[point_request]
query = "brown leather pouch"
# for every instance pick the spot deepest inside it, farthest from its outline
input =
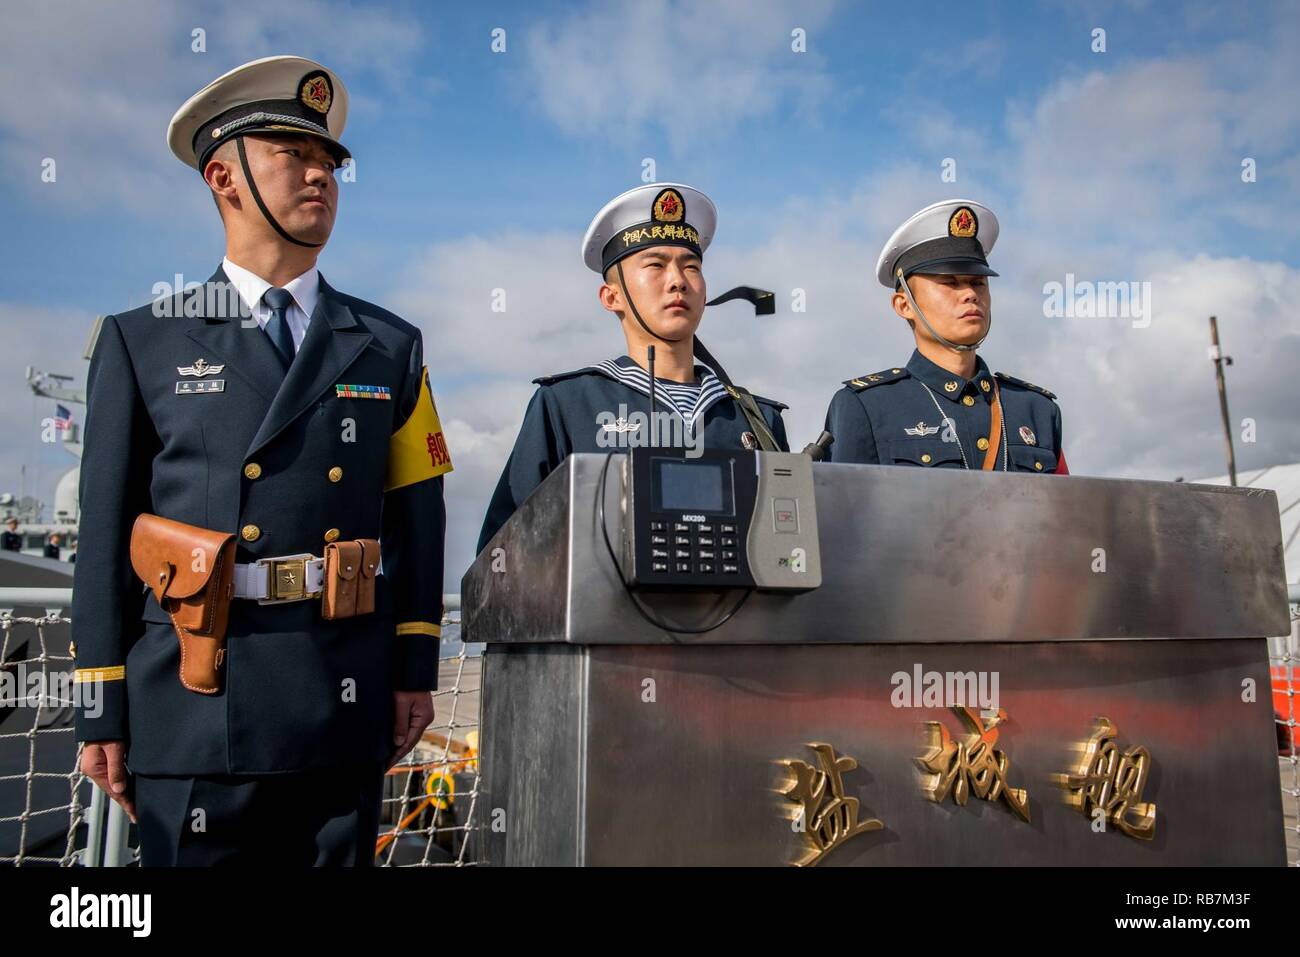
(350, 569)
(369, 568)
(191, 573)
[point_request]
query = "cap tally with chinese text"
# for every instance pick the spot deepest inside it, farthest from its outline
(658, 214)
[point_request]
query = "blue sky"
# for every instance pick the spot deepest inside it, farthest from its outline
(479, 170)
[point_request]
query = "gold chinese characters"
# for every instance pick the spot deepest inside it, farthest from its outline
(827, 821)
(971, 764)
(1112, 781)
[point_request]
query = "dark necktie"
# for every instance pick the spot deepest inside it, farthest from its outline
(277, 328)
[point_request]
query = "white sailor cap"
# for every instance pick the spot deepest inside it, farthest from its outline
(274, 94)
(952, 238)
(659, 214)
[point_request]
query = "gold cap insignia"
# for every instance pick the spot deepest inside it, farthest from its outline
(668, 207)
(315, 92)
(963, 223)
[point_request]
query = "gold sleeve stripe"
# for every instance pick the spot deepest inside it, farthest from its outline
(419, 628)
(115, 673)
(418, 450)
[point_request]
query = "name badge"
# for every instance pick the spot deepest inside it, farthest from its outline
(362, 391)
(201, 386)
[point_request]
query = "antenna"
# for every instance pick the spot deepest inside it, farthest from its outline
(650, 360)
(1220, 360)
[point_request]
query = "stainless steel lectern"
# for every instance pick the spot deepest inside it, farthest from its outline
(1124, 623)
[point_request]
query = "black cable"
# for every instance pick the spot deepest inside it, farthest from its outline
(636, 602)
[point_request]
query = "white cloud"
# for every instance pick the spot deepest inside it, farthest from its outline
(680, 68)
(1152, 152)
(93, 85)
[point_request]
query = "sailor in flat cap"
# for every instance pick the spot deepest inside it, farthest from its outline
(264, 455)
(647, 245)
(944, 408)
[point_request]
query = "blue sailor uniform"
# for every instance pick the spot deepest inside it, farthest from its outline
(923, 415)
(570, 413)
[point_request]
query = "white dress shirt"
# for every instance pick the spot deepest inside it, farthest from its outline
(305, 290)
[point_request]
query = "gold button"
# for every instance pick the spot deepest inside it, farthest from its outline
(250, 533)
(896, 371)
(336, 473)
(331, 535)
(925, 457)
(1039, 466)
(982, 444)
(968, 400)
(252, 470)
(984, 384)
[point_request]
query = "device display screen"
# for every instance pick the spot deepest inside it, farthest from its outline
(704, 487)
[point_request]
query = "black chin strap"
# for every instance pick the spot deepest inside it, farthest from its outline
(628, 296)
(766, 440)
(954, 346)
(257, 198)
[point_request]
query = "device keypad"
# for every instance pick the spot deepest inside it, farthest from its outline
(695, 548)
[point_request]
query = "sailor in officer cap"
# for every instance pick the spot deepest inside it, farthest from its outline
(648, 246)
(944, 409)
(272, 413)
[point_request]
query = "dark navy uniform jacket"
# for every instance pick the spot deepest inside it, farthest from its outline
(260, 459)
(911, 416)
(568, 413)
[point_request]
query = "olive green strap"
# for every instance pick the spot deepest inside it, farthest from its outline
(766, 441)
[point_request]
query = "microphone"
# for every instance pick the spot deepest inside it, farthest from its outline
(817, 450)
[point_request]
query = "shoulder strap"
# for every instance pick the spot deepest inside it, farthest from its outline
(560, 376)
(757, 424)
(876, 378)
(1022, 383)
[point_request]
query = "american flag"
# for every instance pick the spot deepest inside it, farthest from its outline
(62, 417)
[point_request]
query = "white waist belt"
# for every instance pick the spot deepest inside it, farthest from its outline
(280, 579)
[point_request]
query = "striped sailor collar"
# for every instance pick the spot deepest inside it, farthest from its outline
(625, 369)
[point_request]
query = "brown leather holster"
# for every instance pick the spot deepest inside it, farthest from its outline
(350, 569)
(191, 573)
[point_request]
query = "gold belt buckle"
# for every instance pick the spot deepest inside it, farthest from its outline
(286, 579)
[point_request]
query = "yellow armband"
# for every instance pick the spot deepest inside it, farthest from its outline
(418, 451)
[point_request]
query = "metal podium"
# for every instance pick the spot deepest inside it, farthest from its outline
(1111, 701)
